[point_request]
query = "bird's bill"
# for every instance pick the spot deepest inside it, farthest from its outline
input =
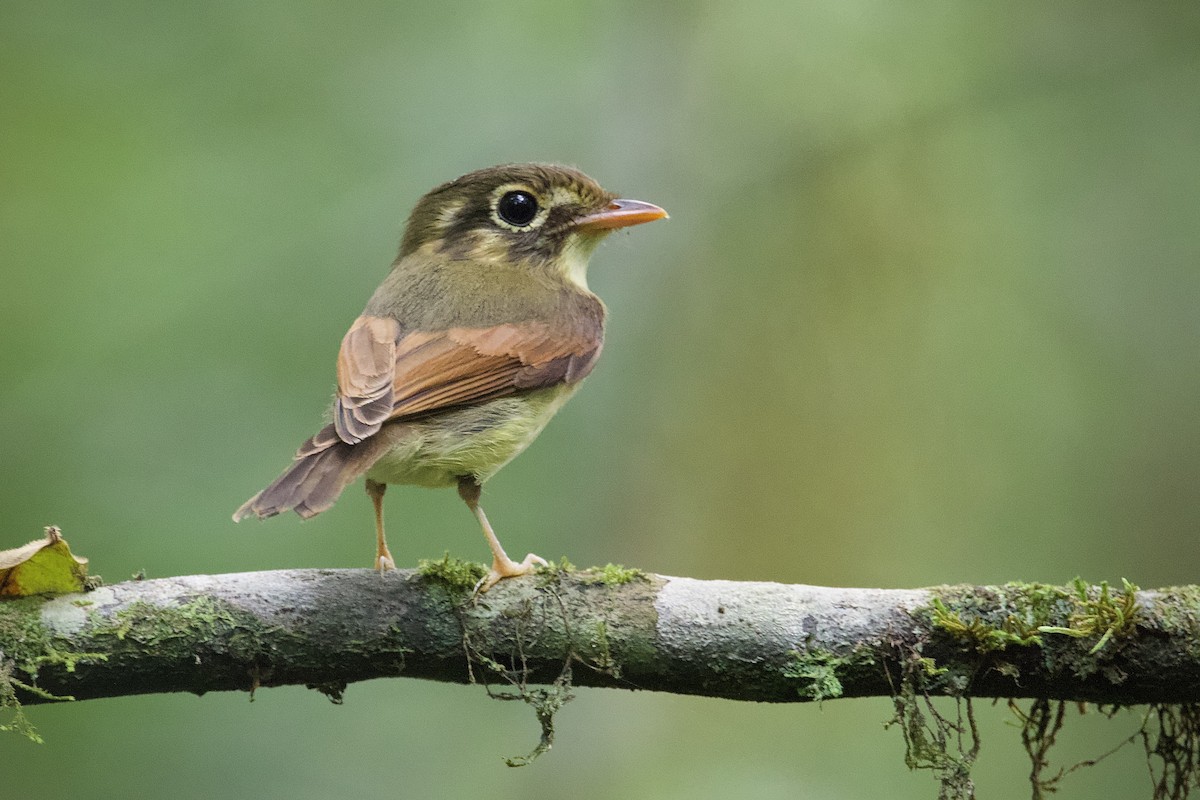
(620, 214)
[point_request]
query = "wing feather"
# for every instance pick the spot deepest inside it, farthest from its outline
(383, 375)
(365, 369)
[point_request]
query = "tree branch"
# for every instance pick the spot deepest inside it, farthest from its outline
(745, 641)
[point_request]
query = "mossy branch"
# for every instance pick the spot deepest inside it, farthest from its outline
(611, 627)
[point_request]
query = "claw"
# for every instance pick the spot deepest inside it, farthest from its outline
(507, 568)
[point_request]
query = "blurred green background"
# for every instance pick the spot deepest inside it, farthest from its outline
(925, 312)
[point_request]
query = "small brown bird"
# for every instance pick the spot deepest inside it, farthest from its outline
(479, 334)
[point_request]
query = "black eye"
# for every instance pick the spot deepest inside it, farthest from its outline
(517, 208)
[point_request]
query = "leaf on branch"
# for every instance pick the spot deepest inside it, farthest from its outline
(44, 566)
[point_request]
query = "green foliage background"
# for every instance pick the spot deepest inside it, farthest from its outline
(925, 312)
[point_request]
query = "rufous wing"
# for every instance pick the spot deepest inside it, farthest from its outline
(366, 368)
(384, 376)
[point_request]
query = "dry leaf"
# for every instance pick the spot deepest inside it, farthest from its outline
(45, 566)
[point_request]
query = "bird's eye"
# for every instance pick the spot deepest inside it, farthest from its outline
(517, 208)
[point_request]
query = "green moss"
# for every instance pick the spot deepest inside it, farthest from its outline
(990, 620)
(819, 671)
(552, 574)
(1018, 614)
(12, 715)
(26, 645)
(24, 640)
(613, 575)
(930, 669)
(455, 573)
(174, 631)
(980, 635)
(147, 623)
(29, 645)
(1109, 615)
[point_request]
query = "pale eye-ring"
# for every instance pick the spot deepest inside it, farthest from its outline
(518, 208)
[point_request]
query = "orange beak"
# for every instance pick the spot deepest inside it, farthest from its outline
(620, 214)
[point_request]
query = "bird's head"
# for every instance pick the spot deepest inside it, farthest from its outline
(536, 216)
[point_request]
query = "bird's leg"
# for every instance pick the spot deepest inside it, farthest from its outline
(469, 490)
(383, 558)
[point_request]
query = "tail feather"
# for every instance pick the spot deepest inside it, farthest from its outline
(322, 469)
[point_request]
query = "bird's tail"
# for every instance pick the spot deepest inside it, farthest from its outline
(323, 467)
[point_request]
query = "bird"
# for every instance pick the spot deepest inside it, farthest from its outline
(481, 331)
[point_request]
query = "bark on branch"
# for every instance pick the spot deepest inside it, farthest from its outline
(739, 640)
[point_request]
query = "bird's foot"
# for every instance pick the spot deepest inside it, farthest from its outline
(507, 568)
(384, 561)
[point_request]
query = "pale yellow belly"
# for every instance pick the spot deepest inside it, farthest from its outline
(478, 440)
